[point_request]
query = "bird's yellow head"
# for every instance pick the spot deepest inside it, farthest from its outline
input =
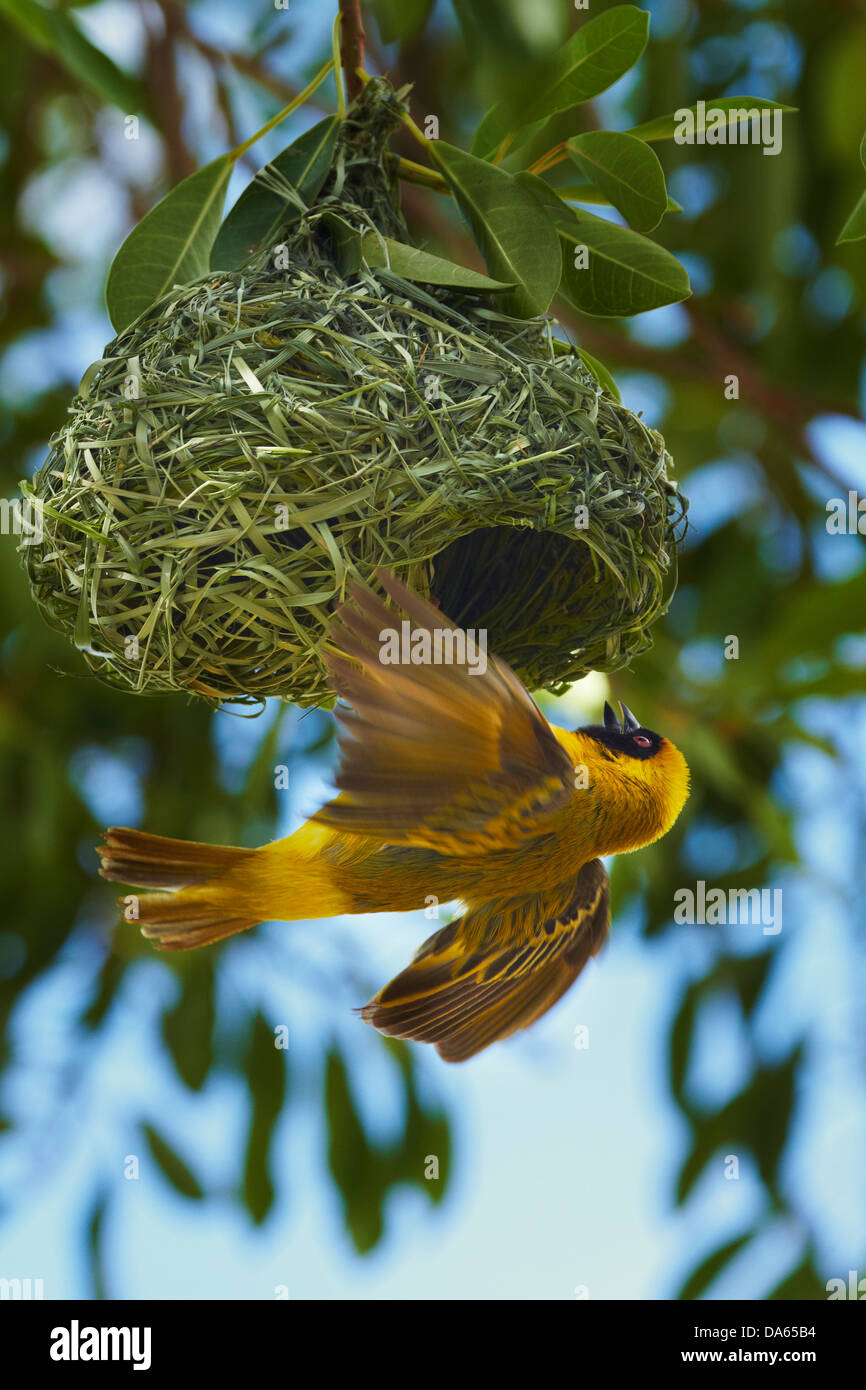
(641, 778)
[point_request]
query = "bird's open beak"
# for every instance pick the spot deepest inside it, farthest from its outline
(629, 722)
(610, 719)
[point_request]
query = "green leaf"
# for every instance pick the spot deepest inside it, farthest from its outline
(54, 31)
(401, 19)
(680, 1042)
(347, 242)
(187, 1028)
(110, 976)
(414, 264)
(266, 1079)
(804, 1284)
(750, 975)
(600, 372)
(758, 1119)
(531, 142)
(277, 195)
(170, 246)
(359, 1176)
(426, 1135)
(626, 171)
(625, 274)
(95, 1224)
(665, 127)
(491, 131)
(588, 193)
(590, 62)
(855, 226)
(516, 236)
(171, 1165)
(701, 1278)
(593, 59)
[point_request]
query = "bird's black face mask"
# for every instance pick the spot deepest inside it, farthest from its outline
(628, 736)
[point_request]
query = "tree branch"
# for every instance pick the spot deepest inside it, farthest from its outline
(352, 41)
(160, 70)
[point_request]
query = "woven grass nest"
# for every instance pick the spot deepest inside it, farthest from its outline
(258, 436)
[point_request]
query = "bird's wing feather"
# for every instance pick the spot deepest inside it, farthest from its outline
(431, 755)
(462, 998)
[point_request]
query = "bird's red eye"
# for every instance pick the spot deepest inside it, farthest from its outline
(642, 740)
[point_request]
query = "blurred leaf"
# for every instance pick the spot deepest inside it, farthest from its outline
(680, 1042)
(277, 195)
(171, 1165)
(588, 63)
(626, 171)
(399, 20)
(422, 1157)
(364, 1173)
(758, 1119)
(517, 239)
(665, 127)
(108, 983)
(56, 32)
(170, 246)
(351, 1159)
(855, 225)
(803, 1283)
(95, 1224)
(187, 1027)
(266, 1079)
(259, 798)
(716, 760)
(700, 1279)
(509, 59)
(750, 975)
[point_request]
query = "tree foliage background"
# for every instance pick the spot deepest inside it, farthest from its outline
(774, 738)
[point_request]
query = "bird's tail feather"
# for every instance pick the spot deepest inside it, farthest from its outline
(198, 909)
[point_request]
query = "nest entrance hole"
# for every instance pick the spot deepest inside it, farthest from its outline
(517, 584)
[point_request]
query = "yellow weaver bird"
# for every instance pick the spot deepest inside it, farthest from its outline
(452, 786)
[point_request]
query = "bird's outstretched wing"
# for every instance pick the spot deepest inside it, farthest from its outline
(435, 756)
(462, 997)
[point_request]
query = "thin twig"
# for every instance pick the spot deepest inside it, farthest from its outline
(421, 174)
